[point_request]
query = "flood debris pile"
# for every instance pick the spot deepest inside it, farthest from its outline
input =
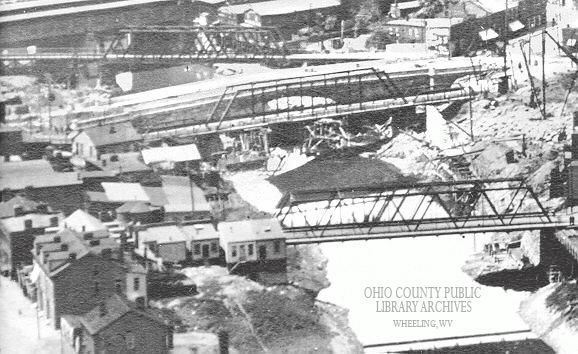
(552, 313)
(261, 318)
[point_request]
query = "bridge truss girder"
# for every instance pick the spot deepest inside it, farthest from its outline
(197, 42)
(408, 210)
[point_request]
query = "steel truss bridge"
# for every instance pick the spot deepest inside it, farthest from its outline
(413, 210)
(297, 99)
(162, 44)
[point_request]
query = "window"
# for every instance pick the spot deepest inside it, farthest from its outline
(250, 250)
(28, 223)
(214, 247)
(197, 248)
(130, 340)
(96, 289)
(136, 284)
(54, 221)
(277, 246)
(118, 286)
(95, 270)
(234, 251)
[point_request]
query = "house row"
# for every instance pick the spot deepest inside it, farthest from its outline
(21, 220)
(120, 147)
(256, 243)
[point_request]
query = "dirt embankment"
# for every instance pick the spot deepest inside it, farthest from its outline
(552, 313)
(284, 318)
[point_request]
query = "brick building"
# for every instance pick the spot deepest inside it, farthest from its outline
(39, 182)
(21, 220)
(76, 271)
(116, 325)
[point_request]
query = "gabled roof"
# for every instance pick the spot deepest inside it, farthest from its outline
(80, 221)
(112, 134)
(110, 311)
(7, 208)
(183, 195)
(123, 192)
(162, 234)
(250, 230)
(136, 208)
(34, 173)
(171, 154)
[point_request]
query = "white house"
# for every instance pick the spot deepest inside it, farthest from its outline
(259, 241)
(203, 242)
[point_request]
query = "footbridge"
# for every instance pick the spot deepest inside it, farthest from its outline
(166, 45)
(413, 210)
(293, 95)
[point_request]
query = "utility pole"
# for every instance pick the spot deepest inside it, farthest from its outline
(504, 86)
(544, 74)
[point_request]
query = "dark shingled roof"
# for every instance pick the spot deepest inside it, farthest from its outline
(112, 134)
(341, 173)
(114, 308)
(7, 208)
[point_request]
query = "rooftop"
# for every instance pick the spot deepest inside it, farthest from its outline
(136, 208)
(179, 153)
(34, 173)
(121, 163)
(81, 221)
(339, 173)
(17, 223)
(162, 234)
(112, 134)
(110, 311)
(280, 7)
(183, 195)
(199, 232)
(250, 230)
(27, 206)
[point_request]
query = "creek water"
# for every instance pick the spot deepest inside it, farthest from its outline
(415, 263)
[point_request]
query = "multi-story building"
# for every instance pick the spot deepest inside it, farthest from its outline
(75, 271)
(21, 220)
(116, 325)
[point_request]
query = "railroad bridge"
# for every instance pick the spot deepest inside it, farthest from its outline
(426, 209)
(294, 95)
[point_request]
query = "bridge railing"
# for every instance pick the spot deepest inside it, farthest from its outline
(417, 207)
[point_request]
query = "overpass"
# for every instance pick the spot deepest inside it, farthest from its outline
(41, 21)
(164, 44)
(291, 95)
(413, 210)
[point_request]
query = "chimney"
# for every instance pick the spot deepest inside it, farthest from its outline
(122, 243)
(42, 208)
(140, 303)
(18, 210)
(64, 247)
(102, 309)
(72, 256)
(106, 253)
(223, 342)
(83, 228)
(38, 247)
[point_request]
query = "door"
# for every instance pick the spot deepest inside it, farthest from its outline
(242, 253)
(262, 252)
(205, 251)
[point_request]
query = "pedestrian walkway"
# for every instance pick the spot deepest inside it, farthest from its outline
(19, 327)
